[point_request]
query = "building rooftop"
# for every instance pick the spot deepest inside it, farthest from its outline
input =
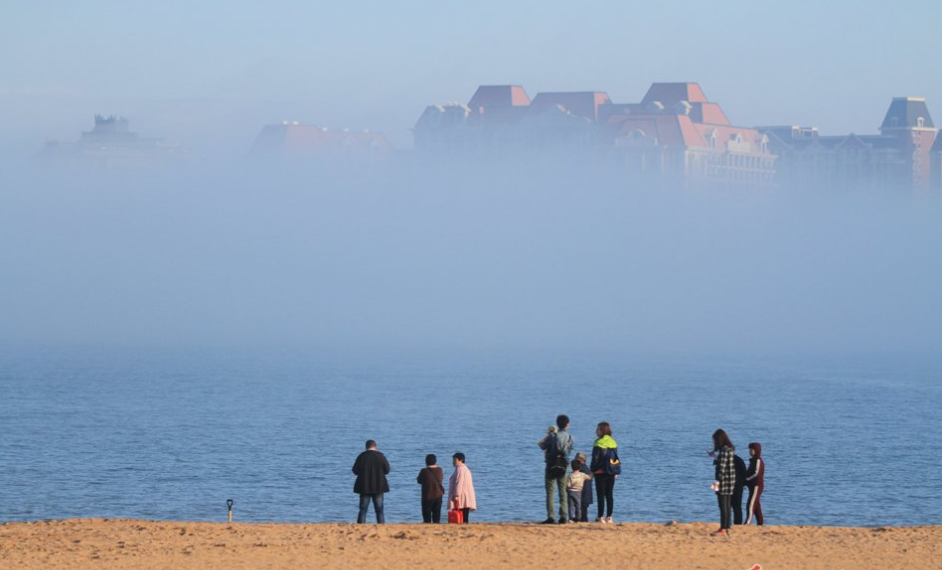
(907, 113)
(579, 103)
(499, 96)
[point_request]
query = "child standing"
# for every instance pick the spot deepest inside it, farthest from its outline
(587, 492)
(574, 486)
(755, 479)
(431, 478)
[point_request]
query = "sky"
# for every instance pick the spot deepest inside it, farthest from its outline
(210, 73)
(540, 257)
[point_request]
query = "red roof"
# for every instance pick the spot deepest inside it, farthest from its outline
(710, 113)
(669, 130)
(499, 96)
(671, 93)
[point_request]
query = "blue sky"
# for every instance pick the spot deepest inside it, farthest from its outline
(212, 72)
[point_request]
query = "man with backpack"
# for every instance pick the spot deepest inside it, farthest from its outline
(557, 445)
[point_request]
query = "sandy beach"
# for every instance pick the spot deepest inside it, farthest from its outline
(134, 544)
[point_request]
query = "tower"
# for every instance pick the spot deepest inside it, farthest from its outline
(908, 121)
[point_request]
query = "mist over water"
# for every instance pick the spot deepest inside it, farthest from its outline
(463, 256)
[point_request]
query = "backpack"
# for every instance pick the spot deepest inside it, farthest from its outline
(612, 463)
(558, 467)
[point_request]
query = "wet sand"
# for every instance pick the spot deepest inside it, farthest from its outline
(132, 544)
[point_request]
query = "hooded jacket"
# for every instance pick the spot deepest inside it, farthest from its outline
(755, 475)
(601, 452)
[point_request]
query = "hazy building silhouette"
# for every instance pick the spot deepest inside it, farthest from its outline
(897, 157)
(292, 140)
(110, 144)
(674, 133)
(935, 162)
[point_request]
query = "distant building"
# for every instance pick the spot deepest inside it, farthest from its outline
(110, 144)
(900, 156)
(502, 118)
(935, 162)
(674, 133)
(293, 140)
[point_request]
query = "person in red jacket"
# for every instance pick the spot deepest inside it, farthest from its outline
(755, 479)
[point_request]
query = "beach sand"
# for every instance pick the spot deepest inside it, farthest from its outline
(133, 544)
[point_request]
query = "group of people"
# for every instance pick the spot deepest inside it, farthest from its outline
(371, 468)
(571, 482)
(731, 477)
(574, 487)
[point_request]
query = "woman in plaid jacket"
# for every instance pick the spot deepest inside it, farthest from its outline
(725, 475)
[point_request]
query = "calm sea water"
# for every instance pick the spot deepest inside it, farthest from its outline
(172, 435)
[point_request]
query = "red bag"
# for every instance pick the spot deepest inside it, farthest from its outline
(455, 515)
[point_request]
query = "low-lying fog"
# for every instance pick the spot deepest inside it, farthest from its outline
(462, 257)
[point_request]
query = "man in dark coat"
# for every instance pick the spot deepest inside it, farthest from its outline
(371, 468)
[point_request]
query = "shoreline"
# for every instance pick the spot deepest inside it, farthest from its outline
(139, 544)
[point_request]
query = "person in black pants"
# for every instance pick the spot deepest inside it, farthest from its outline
(605, 468)
(371, 468)
(725, 476)
(740, 466)
(431, 478)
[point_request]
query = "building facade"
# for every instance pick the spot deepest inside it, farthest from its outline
(673, 134)
(899, 157)
(676, 134)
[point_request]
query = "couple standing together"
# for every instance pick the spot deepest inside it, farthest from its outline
(575, 489)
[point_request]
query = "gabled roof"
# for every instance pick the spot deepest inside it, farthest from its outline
(579, 103)
(670, 93)
(439, 116)
(710, 113)
(499, 96)
(905, 112)
(669, 130)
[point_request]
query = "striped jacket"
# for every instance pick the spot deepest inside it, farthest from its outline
(725, 472)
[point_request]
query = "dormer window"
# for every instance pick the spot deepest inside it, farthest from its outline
(921, 122)
(711, 138)
(654, 107)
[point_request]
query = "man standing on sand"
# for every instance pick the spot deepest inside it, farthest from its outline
(557, 444)
(371, 469)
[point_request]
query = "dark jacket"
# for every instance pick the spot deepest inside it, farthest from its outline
(587, 493)
(431, 480)
(604, 450)
(371, 468)
(755, 475)
(740, 466)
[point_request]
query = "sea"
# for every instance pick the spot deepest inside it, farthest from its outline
(172, 434)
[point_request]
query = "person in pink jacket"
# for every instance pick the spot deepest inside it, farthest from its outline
(461, 487)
